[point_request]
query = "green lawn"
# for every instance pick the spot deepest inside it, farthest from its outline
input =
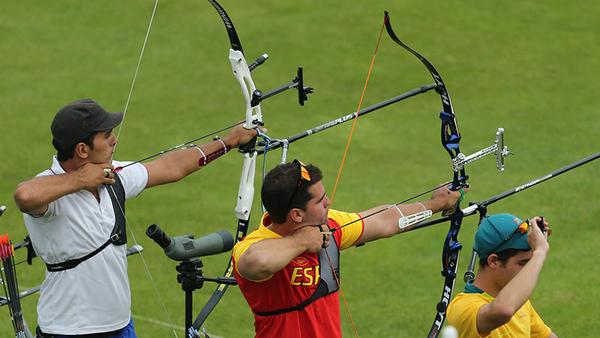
(530, 67)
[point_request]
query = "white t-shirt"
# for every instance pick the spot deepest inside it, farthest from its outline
(94, 296)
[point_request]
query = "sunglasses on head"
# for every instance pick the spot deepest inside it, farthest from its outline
(303, 175)
(521, 229)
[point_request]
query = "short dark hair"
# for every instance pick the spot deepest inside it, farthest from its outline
(503, 256)
(283, 190)
(66, 153)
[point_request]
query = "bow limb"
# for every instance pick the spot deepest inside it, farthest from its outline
(450, 138)
(450, 134)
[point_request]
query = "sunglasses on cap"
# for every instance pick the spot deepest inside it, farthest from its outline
(303, 175)
(522, 229)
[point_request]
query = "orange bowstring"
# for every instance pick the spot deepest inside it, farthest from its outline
(337, 280)
(339, 174)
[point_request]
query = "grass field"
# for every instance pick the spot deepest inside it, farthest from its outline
(530, 67)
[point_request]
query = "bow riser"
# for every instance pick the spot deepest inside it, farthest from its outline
(246, 188)
(240, 70)
(441, 315)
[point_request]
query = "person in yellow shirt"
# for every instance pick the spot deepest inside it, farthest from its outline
(496, 304)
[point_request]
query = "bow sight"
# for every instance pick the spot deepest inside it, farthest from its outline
(501, 151)
(298, 83)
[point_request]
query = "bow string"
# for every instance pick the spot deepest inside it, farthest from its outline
(111, 189)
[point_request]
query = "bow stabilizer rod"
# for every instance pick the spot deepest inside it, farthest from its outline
(284, 142)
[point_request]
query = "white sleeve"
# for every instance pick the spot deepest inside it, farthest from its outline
(134, 178)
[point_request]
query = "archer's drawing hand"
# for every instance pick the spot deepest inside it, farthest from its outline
(311, 238)
(93, 175)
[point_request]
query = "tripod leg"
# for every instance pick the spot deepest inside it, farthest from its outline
(188, 309)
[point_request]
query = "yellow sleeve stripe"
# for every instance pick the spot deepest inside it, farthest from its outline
(351, 233)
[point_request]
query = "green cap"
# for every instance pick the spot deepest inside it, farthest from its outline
(497, 233)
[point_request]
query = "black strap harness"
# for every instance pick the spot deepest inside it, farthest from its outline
(329, 260)
(118, 235)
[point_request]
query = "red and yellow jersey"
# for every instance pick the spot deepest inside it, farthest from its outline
(294, 284)
(525, 323)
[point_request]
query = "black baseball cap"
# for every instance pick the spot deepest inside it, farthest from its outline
(78, 120)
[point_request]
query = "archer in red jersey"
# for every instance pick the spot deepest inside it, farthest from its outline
(288, 269)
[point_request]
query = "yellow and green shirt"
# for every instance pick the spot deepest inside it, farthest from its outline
(462, 314)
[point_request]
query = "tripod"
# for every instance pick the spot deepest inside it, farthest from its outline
(190, 277)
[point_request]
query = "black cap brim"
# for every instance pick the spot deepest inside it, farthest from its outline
(111, 121)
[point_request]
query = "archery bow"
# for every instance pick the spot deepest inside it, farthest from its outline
(246, 188)
(450, 137)
(253, 119)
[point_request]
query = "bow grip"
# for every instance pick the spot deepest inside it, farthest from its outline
(248, 147)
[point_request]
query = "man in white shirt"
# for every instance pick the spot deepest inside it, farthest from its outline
(75, 214)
